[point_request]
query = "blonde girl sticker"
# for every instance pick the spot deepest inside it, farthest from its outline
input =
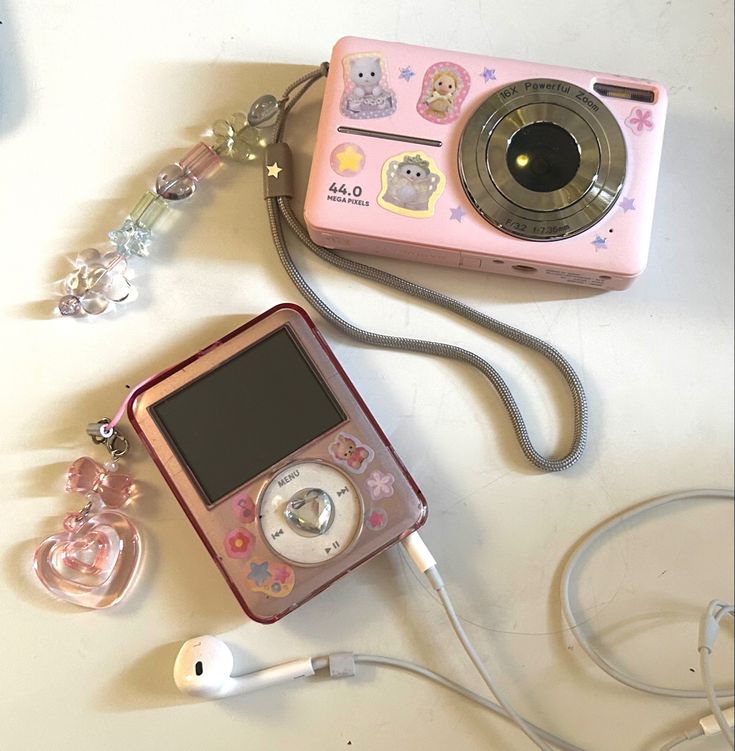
(411, 184)
(443, 90)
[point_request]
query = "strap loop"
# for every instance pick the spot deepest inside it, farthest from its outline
(280, 208)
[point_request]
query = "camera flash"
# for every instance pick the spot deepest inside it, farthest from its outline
(522, 160)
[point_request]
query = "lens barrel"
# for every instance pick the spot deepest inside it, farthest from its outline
(542, 159)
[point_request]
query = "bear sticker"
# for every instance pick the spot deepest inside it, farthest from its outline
(350, 453)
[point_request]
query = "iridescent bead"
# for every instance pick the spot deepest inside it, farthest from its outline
(130, 239)
(148, 210)
(263, 111)
(69, 305)
(174, 183)
(179, 180)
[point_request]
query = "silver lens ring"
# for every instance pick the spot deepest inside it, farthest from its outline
(541, 214)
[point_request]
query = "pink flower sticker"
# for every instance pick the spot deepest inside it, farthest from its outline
(244, 508)
(281, 573)
(381, 485)
(239, 543)
(377, 519)
(640, 120)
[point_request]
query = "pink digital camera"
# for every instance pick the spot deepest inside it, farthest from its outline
(276, 461)
(485, 163)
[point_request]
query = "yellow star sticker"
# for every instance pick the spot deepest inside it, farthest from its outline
(274, 169)
(349, 159)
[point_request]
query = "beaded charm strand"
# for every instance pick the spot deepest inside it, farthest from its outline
(101, 279)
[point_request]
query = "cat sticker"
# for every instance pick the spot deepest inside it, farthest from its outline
(367, 93)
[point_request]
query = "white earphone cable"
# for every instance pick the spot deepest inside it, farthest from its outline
(425, 562)
(412, 667)
(579, 551)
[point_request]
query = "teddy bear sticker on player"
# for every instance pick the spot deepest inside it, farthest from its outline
(350, 453)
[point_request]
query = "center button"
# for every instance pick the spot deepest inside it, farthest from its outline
(310, 512)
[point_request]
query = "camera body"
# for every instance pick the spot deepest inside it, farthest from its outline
(486, 164)
(277, 462)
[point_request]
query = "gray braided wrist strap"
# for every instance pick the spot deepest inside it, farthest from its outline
(279, 207)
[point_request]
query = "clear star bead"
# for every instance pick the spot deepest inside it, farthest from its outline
(131, 239)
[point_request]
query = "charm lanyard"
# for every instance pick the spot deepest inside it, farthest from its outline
(278, 192)
(94, 561)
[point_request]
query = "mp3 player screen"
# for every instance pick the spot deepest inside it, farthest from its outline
(247, 414)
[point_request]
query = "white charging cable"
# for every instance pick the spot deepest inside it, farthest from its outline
(204, 665)
(709, 628)
(424, 561)
(573, 561)
(718, 721)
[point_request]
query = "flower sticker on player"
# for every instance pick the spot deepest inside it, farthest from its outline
(376, 520)
(349, 452)
(272, 579)
(380, 484)
(239, 543)
(244, 508)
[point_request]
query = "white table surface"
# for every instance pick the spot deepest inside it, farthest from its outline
(97, 96)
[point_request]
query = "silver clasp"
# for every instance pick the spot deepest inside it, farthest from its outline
(102, 433)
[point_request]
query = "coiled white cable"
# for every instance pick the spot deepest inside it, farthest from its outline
(425, 562)
(578, 552)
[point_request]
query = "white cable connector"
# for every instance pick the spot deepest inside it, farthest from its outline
(709, 723)
(709, 624)
(423, 559)
(419, 553)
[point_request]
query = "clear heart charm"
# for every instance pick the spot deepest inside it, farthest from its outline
(93, 562)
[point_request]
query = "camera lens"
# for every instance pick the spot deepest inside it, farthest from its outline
(543, 157)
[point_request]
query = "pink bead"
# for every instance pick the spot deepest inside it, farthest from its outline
(200, 162)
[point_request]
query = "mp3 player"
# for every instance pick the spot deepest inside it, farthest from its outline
(276, 461)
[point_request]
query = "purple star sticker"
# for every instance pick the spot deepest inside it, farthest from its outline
(627, 205)
(457, 214)
(406, 73)
(600, 243)
(488, 74)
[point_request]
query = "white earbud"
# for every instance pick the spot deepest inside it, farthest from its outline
(204, 665)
